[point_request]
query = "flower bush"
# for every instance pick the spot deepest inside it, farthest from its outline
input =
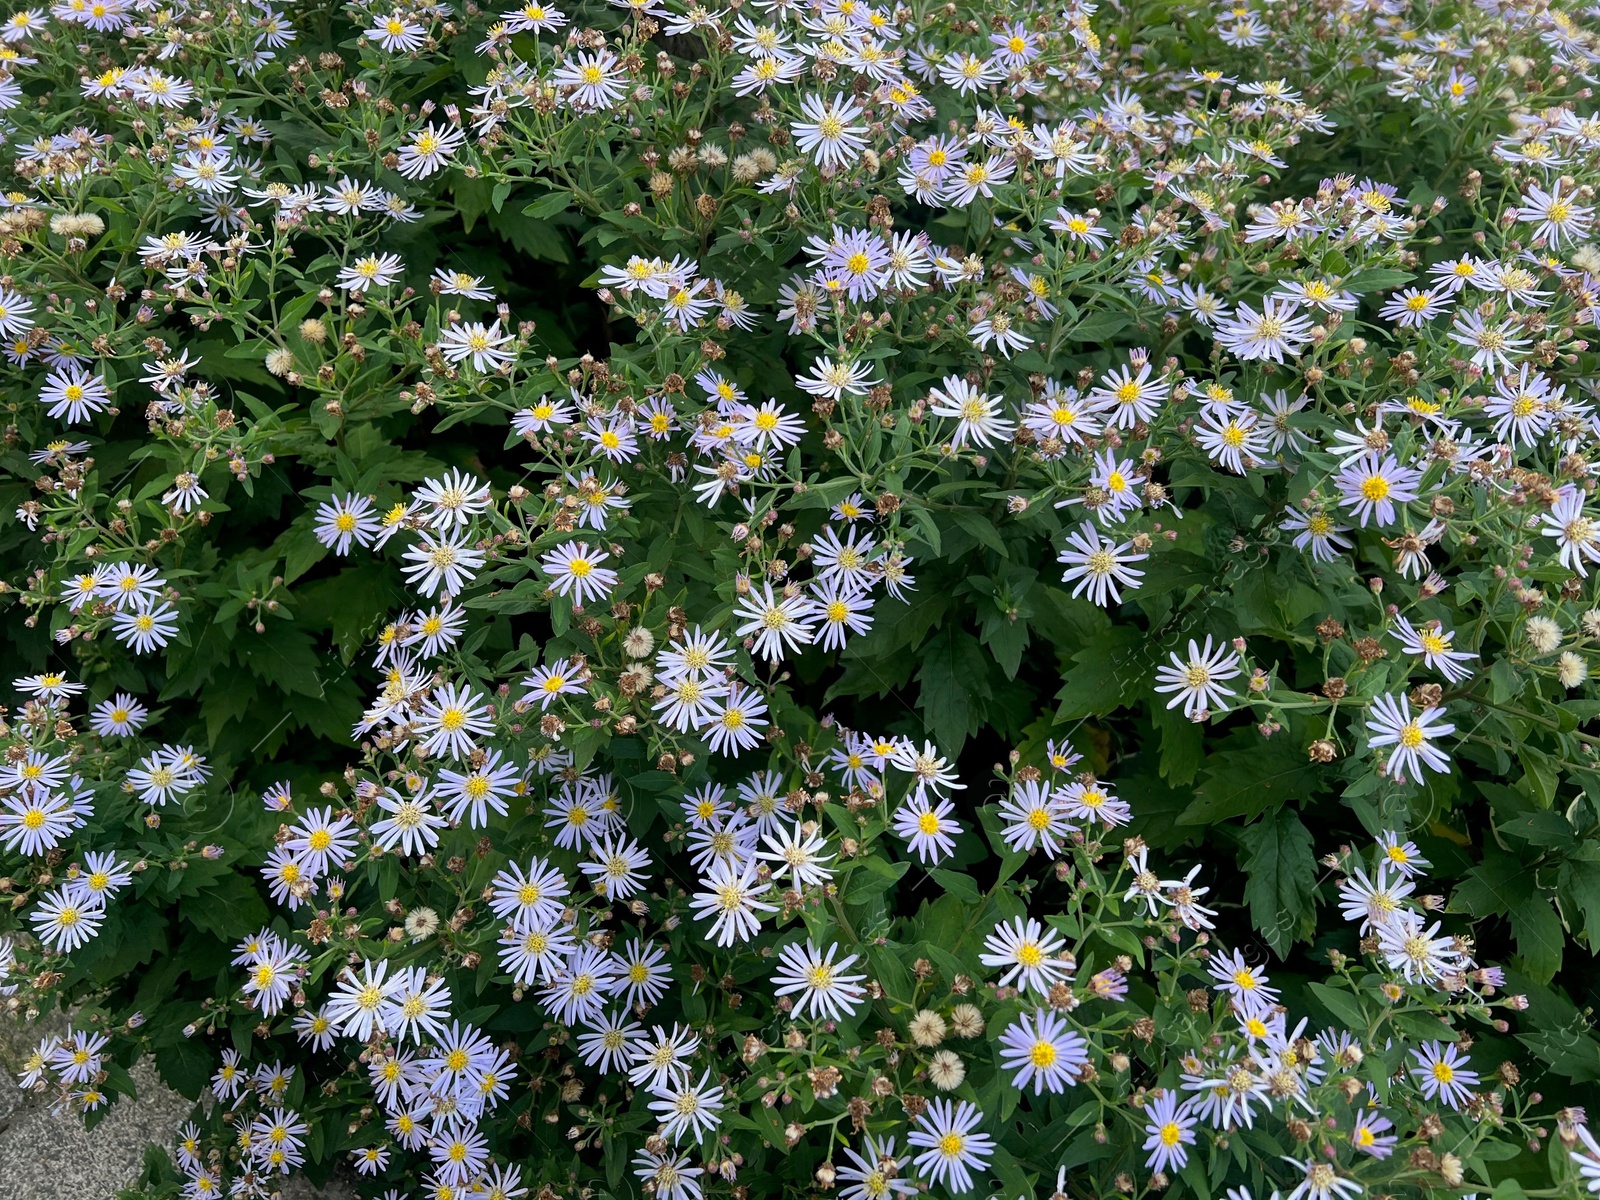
(805, 598)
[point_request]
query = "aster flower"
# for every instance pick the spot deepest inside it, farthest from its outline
(829, 133)
(97, 881)
(642, 972)
(1278, 329)
(1390, 723)
(591, 80)
(1492, 343)
(485, 346)
(688, 1109)
(1090, 800)
(1197, 683)
(528, 897)
(358, 1005)
(797, 852)
(1372, 902)
(429, 149)
(1556, 218)
(1416, 950)
(1322, 1181)
(443, 565)
(576, 993)
(952, 1148)
(1099, 565)
(63, 921)
(730, 898)
(778, 626)
(872, 1175)
(1577, 536)
(978, 416)
(1027, 954)
(817, 982)
(372, 270)
(1370, 1135)
(536, 954)
(617, 867)
(575, 571)
(146, 629)
(1318, 531)
(928, 827)
(451, 718)
(930, 770)
(662, 1058)
(74, 395)
(453, 499)
(1586, 1157)
(668, 1175)
(1233, 440)
(1372, 484)
(550, 682)
(412, 825)
(1441, 1074)
(1129, 395)
(1169, 1128)
(1413, 307)
(322, 839)
(417, 1005)
(34, 822)
(1432, 643)
(1042, 1050)
(396, 34)
(1034, 818)
(1244, 984)
(341, 521)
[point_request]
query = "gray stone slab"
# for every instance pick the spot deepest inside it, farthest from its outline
(43, 1157)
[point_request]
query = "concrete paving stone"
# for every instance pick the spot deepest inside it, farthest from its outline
(43, 1157)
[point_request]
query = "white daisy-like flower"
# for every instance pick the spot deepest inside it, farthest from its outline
(952, 1148)
(979, 417)
(1197, 682)
(575, 572)
(819, 984)
(1026, 952)
(1390, 723)
(1044, 1051)
(1099, 565)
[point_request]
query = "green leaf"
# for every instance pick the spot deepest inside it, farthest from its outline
(1251, 776)
(1494, 887)
(1182, 745)
(1281, 878)
(980, 527)
(285, 657)
(1344, 1007)
(958, 885)
(219, 705)
(1104, 676)
(225, 907)
(185, 1067)
(955, 685)
(473, 198)
(1579, 885)
(1538, 932)
(1006, 637)
(872, 875)
(301, 551)
(548, 205)
(536, 239)
(1378, 279)
(1098, 326)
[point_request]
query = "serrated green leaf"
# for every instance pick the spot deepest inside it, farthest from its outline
(1281, 877)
